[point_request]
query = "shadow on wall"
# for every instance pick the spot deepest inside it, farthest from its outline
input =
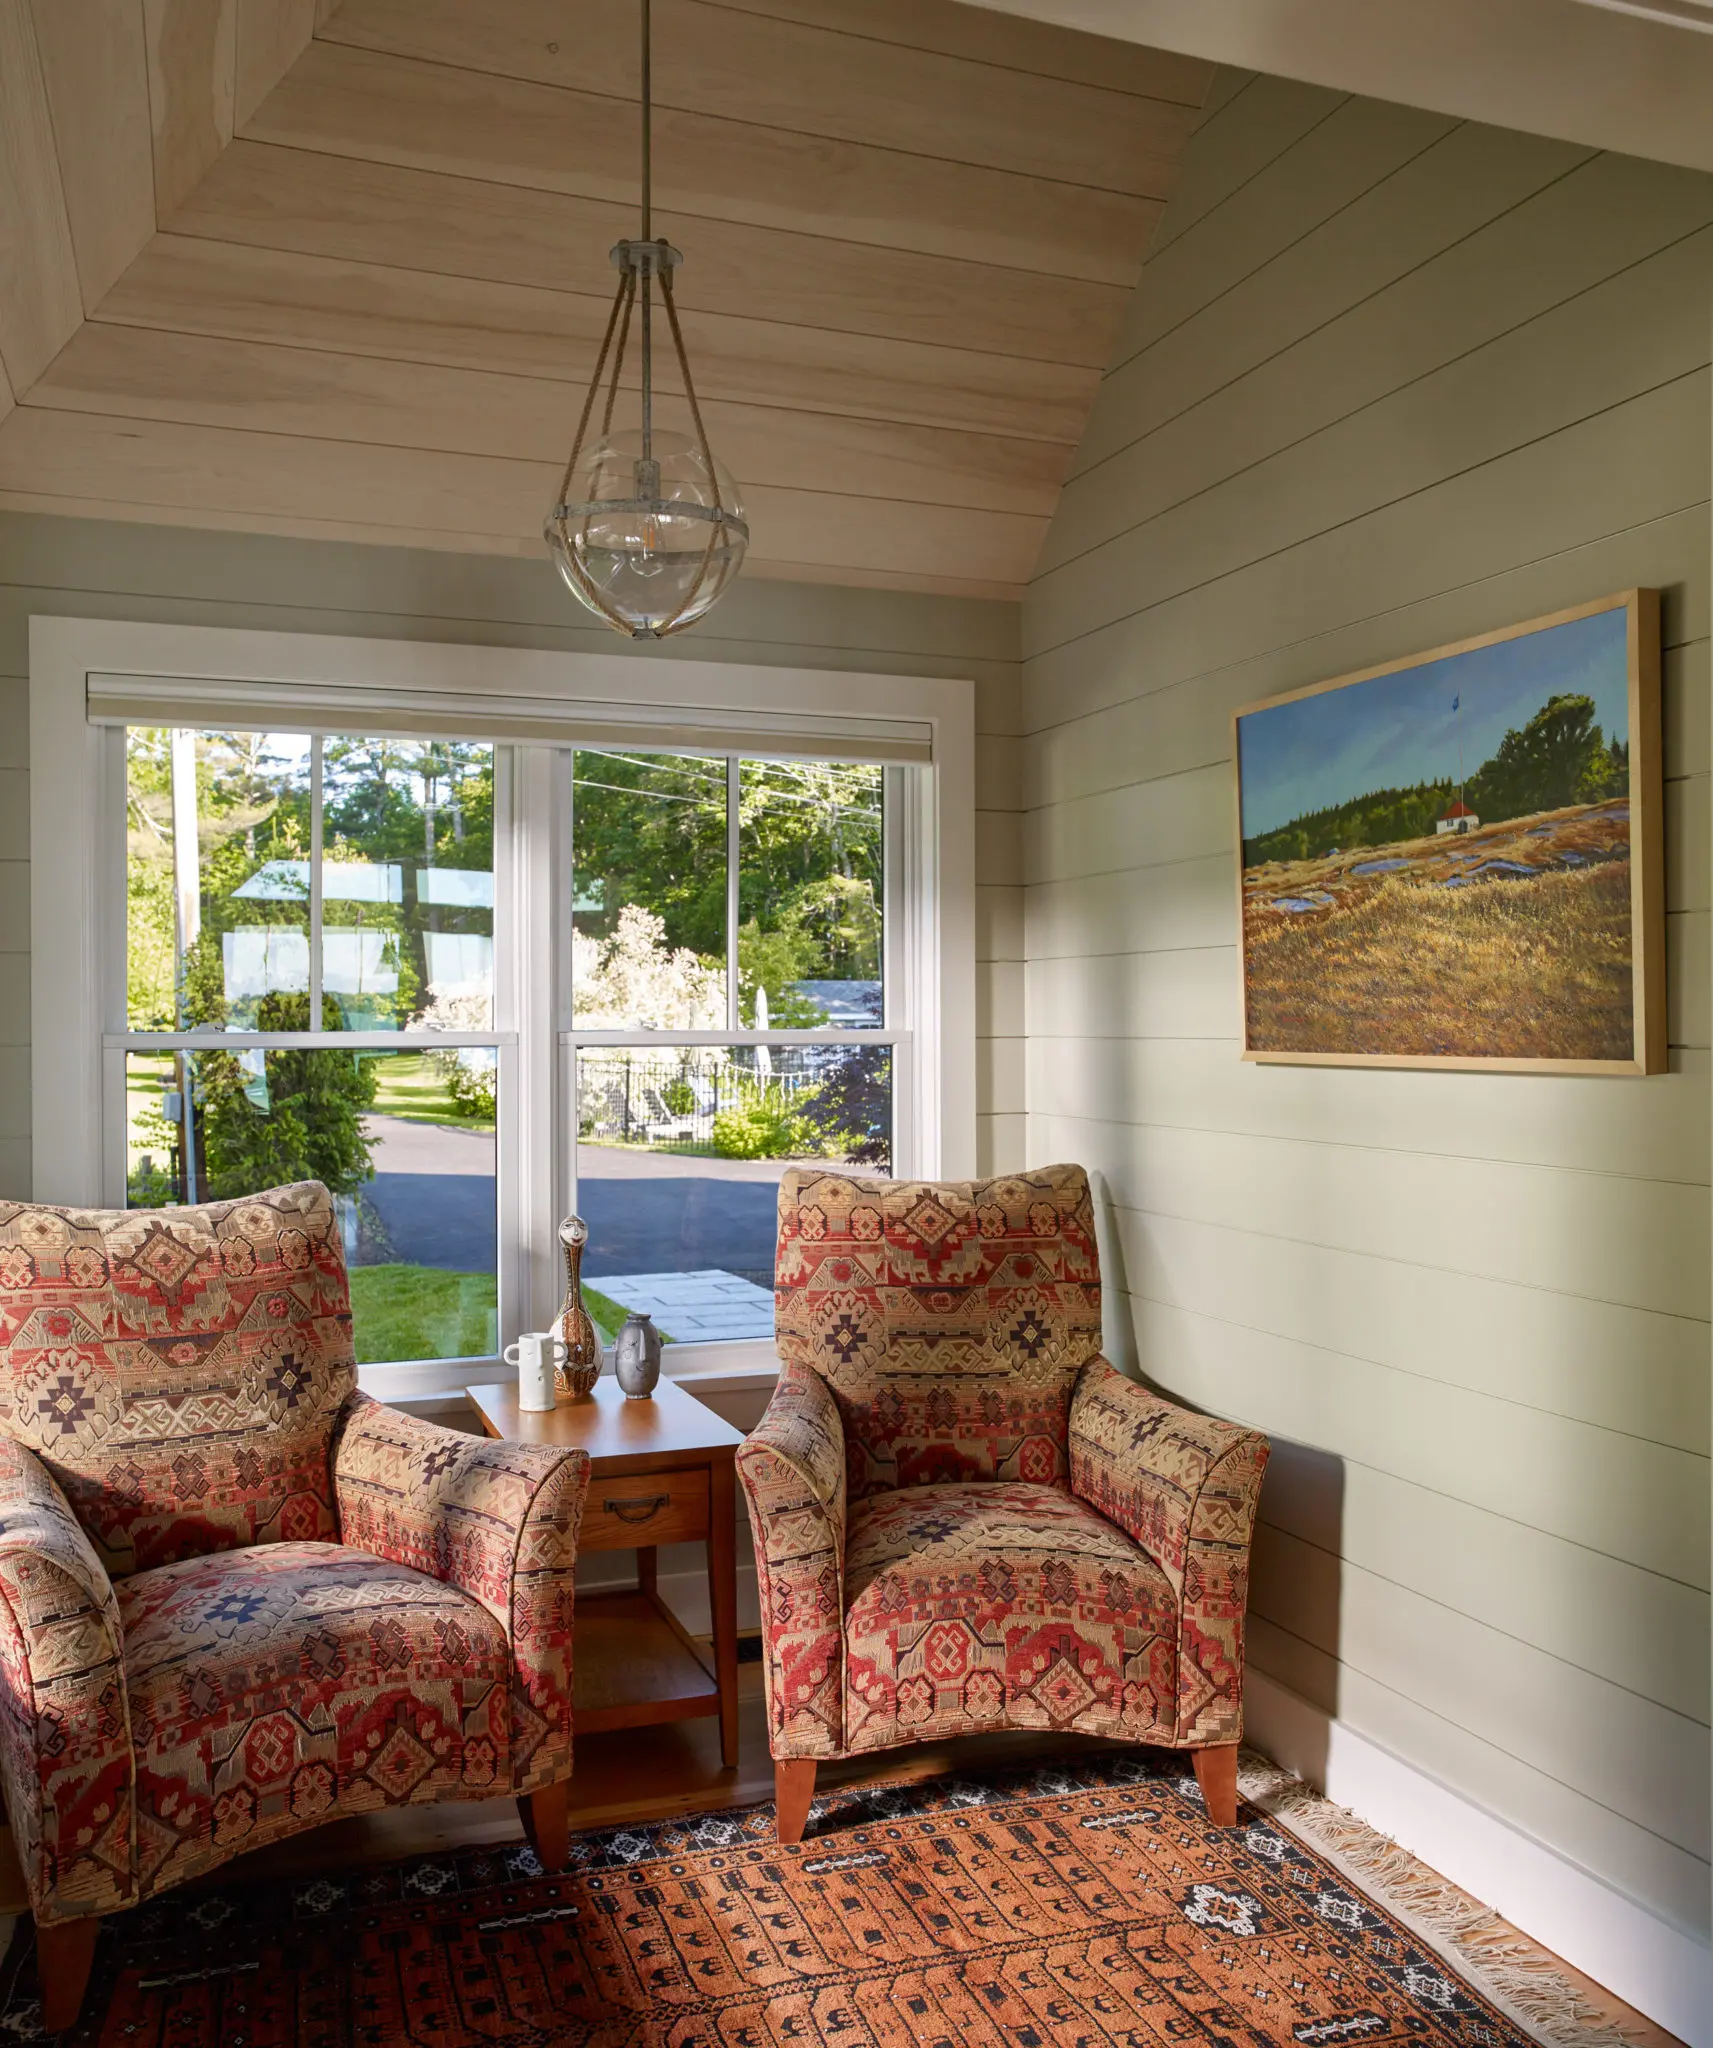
(1296, 1570)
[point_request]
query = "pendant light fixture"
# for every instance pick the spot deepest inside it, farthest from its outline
(649, 529)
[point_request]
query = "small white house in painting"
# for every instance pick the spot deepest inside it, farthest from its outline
(1460, 818)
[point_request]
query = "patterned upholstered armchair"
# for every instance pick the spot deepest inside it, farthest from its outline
(237, 1597)
(964, 1517)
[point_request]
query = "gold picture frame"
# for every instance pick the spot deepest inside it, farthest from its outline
(1384, 921)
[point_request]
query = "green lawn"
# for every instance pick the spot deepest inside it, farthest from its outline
(422, 1312)
(410, 1085)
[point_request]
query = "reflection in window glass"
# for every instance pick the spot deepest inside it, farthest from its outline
(407, 885)
(679, 1157)
(217, 911)
(649, 880)
(809, 896)
(404, 1140)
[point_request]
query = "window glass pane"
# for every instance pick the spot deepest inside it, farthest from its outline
(679, 1157)
(810, 895)
(217, 884)
(649, 891)
(407, 885)
(404, 1140)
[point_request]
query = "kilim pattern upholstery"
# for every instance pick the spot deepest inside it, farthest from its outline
(237, 1597)
(964, 1517)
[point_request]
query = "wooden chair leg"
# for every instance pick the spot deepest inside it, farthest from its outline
(1216, 1774)
(547, 1822)
(64, 1953)
(793, 1793)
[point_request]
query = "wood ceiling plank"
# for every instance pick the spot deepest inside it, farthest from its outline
(271, 36)
(808, 79)
(379, 213)
(41, 302)
(462, 500)
(395, 110)
(186, 284)
(192, 46)
(95, 69)
(200, 380)
(956, 29)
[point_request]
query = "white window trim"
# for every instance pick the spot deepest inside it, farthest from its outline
(301, 682)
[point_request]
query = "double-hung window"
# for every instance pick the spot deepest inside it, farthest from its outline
(477, 945)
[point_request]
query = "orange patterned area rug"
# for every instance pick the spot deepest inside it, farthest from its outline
(1073, 1905)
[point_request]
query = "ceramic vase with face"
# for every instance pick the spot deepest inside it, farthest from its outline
(636, 1357)
(582, 1366)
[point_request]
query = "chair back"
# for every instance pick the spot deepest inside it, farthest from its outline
(949, 1318)
(180, 1371)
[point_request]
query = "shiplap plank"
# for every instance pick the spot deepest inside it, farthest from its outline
(14, 814)
(1579, 361)
(357, 104)
(1538, 1348)
(1652, 1129)
(185, 284)
(1277, 114)
(1404, 282)
(95, 69)
(192, 49)
(1187, 726)
(345, 207)
(1228, 81)
(957, 30)
(1633, 1628)
(1632, 1242)
(1002, 1144)
(1358, 147)
(1641, 1760)
(15, 1166)
(773, 73)
(157, 375)
(271, 36)
(1191, 993)
(14, 1091)
(1639, 1502)
(15, 720)
(998, 923)
(223, 471)
(40, 299)
(1531, 503)
(1667, 1879)
(998, 856)
(237, 578)
(999, 772)
(999, 1074)
(15, 907)
(1178, 904)
(999, 999)
(14, 999)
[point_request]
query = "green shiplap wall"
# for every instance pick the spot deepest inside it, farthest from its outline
(84, 568)
(1391, 379)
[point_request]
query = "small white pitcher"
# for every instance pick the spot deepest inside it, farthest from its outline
(536, 1355)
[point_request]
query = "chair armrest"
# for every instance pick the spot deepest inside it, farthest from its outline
(497, 1520)
(1186, 1487)
(65, 1730)
(792, 1465)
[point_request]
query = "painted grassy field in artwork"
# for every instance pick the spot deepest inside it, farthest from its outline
(1513, 942)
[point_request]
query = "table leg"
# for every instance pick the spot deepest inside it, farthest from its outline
(723, 1597)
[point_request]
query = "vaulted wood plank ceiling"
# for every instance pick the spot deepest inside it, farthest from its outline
(339, 267)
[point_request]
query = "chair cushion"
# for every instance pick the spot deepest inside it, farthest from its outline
(179, 1371)
(274, 1687)
(949, 1318)
(1001, 1605)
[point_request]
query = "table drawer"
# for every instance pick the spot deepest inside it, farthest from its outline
(644, 1509)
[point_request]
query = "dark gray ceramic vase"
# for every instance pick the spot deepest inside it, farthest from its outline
(636, 1357)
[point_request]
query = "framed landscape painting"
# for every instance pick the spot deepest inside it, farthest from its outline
(1455, 860)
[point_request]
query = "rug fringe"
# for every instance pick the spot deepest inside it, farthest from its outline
(1527, 1984)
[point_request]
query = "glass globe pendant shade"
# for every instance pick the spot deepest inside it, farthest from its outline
(648, 542)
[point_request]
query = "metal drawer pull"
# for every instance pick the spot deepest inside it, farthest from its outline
(639, 1510)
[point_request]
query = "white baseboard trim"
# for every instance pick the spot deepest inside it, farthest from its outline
(1650, 1964)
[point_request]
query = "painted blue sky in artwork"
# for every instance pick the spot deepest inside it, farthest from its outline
(1401, 729)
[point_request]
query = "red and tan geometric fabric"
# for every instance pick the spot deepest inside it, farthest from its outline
(1001, 1605)
(949, 1318)
(178, 1371)
(1186, 1487)
(274, 1687)
(964, 1517)
(236, 1596)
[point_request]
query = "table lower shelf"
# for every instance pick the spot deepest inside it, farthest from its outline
(635, 1666)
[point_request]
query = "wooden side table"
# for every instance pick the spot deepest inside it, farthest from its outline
(661, 1472)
